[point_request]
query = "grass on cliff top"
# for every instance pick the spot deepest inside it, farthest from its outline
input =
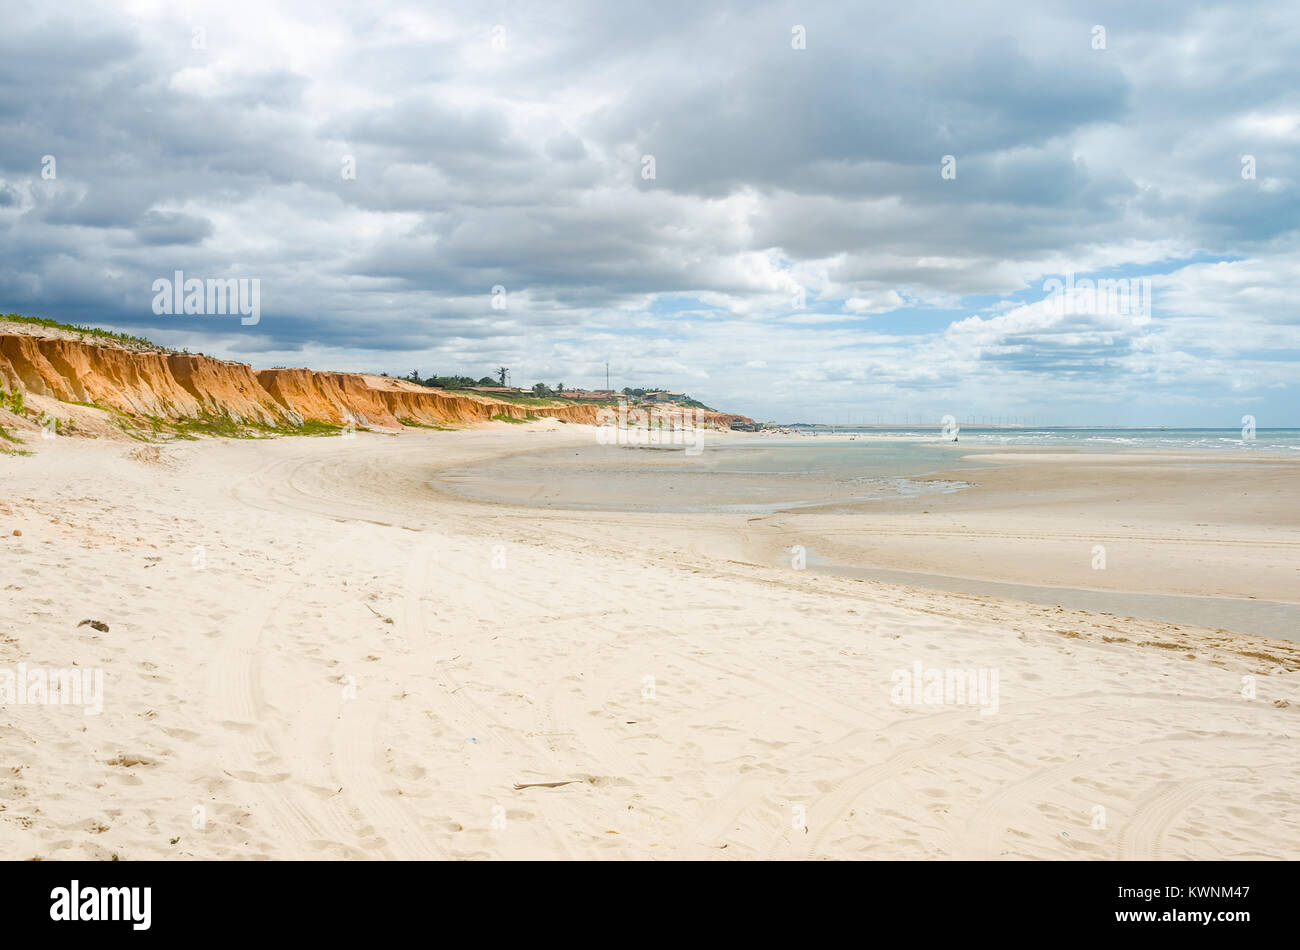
(125, 338)
(554, 401)
(535, 401)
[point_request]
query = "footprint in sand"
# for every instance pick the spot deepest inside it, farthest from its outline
(244, 776)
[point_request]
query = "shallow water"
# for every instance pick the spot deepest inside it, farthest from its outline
(758, 476)
(764, 475)
(767, 474)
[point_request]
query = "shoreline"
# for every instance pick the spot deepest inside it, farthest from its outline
(1278, 620)
(1027, 525)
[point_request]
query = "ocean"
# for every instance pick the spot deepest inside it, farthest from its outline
(1092, 439)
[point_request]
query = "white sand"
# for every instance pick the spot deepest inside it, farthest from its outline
(699, 706)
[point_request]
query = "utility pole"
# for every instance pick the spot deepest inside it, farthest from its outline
(606, 377)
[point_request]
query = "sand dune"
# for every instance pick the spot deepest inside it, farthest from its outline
(311, 654)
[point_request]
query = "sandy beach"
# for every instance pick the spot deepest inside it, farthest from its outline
(314, 650)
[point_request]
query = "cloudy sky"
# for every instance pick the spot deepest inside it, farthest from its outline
(861, 228)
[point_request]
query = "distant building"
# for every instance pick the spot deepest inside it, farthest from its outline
(592, 394)
(663, 396)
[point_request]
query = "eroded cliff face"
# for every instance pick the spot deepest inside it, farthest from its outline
(376, 401)
(138, 383)
(176, 387)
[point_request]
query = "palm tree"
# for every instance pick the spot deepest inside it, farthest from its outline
(501, 373)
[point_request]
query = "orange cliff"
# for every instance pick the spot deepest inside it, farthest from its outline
(173, 387)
